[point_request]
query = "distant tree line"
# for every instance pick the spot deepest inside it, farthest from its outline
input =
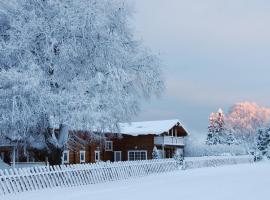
(246, 124)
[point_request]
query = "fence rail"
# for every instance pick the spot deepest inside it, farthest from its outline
(37, 178)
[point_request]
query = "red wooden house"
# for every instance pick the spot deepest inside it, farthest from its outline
(136, 142)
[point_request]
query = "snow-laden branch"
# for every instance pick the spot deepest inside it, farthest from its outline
(75, 61)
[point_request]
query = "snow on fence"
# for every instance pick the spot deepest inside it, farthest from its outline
(213, 161)
(37, 178)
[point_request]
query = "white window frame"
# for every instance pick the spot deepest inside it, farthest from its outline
(65, 161)
(106, 142)
(82, 152)
(97, 153)
(137, 151)
(120, 156)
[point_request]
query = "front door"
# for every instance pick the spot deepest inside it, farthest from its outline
(117, 156)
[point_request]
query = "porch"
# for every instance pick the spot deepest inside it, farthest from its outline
(169, 141)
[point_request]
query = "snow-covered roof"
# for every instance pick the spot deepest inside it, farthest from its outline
(148, 127)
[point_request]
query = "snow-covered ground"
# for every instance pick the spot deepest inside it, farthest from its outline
(241, 182)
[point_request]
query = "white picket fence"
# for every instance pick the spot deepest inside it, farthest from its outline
(37, 178)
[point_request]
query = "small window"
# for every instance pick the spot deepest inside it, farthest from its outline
(137, 155)
(65, 157)
(108, 146)
(97, 156)
(82, 156)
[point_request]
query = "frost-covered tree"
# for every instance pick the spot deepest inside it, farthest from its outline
(216, 129)
(156, 153)
(72, 65)
(212, 136)
(244, 120)
(179, 157)
(229, 138)
(263, 143)
(218, 133)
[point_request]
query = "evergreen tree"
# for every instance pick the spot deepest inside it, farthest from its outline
(230, 139)
(216, 128)
(217, 132)
(211, 136)
(179, 157)
(220, 128)
(263, 143)
(155, 154)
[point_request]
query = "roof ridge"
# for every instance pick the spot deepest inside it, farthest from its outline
(150, 121)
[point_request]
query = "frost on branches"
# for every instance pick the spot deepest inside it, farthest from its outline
(217, 132)
(245, 119)
(156, 153)
(239, 126)
(69, 64)
(212, 137)
(179, 157)
(263, 144)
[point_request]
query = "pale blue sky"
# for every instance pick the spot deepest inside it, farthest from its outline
(215, 53)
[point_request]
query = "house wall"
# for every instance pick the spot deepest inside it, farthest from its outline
(127, 143)
(123, 144)
(87, 144)
(74, 154)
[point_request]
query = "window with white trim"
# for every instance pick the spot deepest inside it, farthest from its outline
(65, 157)
(82, 156)
(108, 145)
(137, 155)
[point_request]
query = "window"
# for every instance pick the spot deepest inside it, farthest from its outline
(65, 157)
(97, 156)
(137, 155)
(117, 156)
(82, 156)
(108, 146)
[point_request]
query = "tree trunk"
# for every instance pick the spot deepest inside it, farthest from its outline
(56, 144)
(55, 156)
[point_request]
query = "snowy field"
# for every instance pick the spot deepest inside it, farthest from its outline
(241, 182)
